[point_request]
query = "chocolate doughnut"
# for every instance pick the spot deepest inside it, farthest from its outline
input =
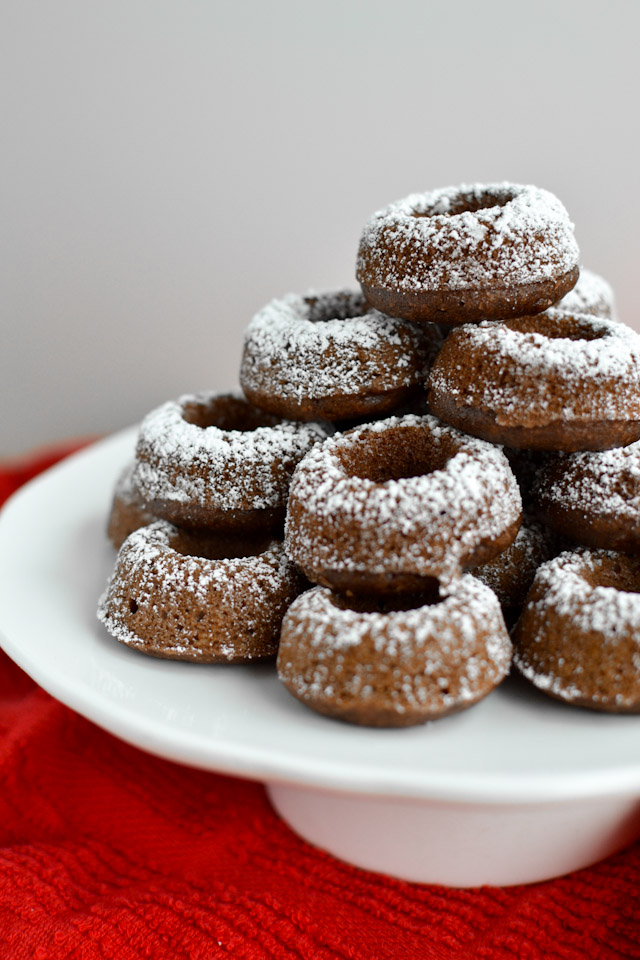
(556, 381)
(394, 663)
(186, 596)
(392, 505)
(578, 638)
(214, 461)
(593, 498)
(468, 253)
(327, 357)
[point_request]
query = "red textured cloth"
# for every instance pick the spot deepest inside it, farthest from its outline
(106, 852)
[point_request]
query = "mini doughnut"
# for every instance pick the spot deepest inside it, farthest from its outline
(325, 357)
(394, 664)
(214, 461)
(578, 638)
(128, 510)
(511, 573)
(593, 498)
(468, 253)
(557, 381)
(392, 505)
(591, 294)
(186, 596)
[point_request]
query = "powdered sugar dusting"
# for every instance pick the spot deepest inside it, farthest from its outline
(520, 234)
(158, 576)
(422, 524)
(605, 484)
(548, 682)
(329, 344)
(456, 616)
(228, 469)
(569, 597)
(460, 644)
(566, 580)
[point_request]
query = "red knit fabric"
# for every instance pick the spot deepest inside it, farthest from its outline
(106, 852)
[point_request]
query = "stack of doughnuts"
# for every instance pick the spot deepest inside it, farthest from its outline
(358, 512)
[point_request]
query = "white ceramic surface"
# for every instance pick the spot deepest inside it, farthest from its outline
(488, 795)
(460, 844)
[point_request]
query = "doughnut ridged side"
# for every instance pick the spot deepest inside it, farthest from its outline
(394, 668)
(578, 638)
(168, 603)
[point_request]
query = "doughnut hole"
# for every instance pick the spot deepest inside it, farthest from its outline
(207, 546)
(227, 412)
(557, 325)
(389, 604)
(396, 454)
(615, 571)
(468, 202)
(342, 306)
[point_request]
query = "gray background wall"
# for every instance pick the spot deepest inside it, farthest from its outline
(167, 167)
